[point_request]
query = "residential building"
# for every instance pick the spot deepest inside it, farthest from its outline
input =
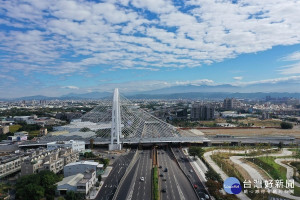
(202, 112)
(230, 103)
(11, 164)
(4, 129)
(53, 160)
(80, 167)
(81, 182)
(265, 115)
(76, 145)
(43, 131)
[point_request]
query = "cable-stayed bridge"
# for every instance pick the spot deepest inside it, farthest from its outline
(123, 122)
(119, 121)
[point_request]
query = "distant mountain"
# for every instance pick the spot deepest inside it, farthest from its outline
(90, 95)
(251, 91)
(213, 95)
(195, 88)
(37, 97)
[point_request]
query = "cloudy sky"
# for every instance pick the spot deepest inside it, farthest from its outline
(57, 47)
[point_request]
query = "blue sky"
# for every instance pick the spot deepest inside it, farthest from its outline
(57, 47)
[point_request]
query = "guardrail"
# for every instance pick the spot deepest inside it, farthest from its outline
(134, 159)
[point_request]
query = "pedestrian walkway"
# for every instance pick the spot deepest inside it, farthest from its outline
(207, 157)
(106, 172)
(94, 191)
(289, 169)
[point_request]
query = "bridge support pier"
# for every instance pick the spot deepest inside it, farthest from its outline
(115, 123)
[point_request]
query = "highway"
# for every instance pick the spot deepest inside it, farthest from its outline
(187, 167)
(174, 182)
(111, 182)
(142, 189)
(132, 187)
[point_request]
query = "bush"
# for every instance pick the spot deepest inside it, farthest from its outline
(286, 125)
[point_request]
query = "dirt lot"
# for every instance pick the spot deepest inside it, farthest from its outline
(254, 132)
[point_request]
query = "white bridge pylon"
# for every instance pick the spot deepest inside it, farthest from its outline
(116, 129)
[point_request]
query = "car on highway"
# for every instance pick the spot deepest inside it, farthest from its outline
(195, 186)
(164, 179)
(161, 175)
(166, 170)
(191, 171)
(206, 196)
(160, 166)
(142, 179)
(164, 190)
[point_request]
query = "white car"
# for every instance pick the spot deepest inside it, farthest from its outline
(142, 179)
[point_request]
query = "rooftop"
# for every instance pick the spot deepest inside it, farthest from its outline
(85, 163)
(71, 180)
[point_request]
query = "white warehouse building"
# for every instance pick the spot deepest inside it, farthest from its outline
(80, 167)
(76, 145)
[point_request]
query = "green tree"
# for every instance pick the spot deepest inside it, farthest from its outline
(193, 151)
(85, 129)
(71, 195)
(99, 178)
(212, 175)
(286, 125)
(36, 186)
(196, 151)
(30, 192)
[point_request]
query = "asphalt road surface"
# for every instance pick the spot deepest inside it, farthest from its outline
(174, 182)
(188, 169)
(111, 182)
(132, 187)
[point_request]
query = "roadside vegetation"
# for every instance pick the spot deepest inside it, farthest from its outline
(214, 184)
(223, 161)
(155, 184)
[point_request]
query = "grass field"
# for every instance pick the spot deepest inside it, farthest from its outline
(14, 128)
(268, 164)
(254, 132)
(34, 133)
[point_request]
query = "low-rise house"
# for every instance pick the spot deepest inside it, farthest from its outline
(81, 167)
(76, 145)
(81, 182)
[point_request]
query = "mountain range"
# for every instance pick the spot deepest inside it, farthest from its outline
(180, 92)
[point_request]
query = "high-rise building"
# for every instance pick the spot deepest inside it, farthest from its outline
(202, 112)
(230, 103)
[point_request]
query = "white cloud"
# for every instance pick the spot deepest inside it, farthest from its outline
(70, 87)
(238, 78)
(63, 37)
(292, 57)
(292, 68)
(289, 79)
